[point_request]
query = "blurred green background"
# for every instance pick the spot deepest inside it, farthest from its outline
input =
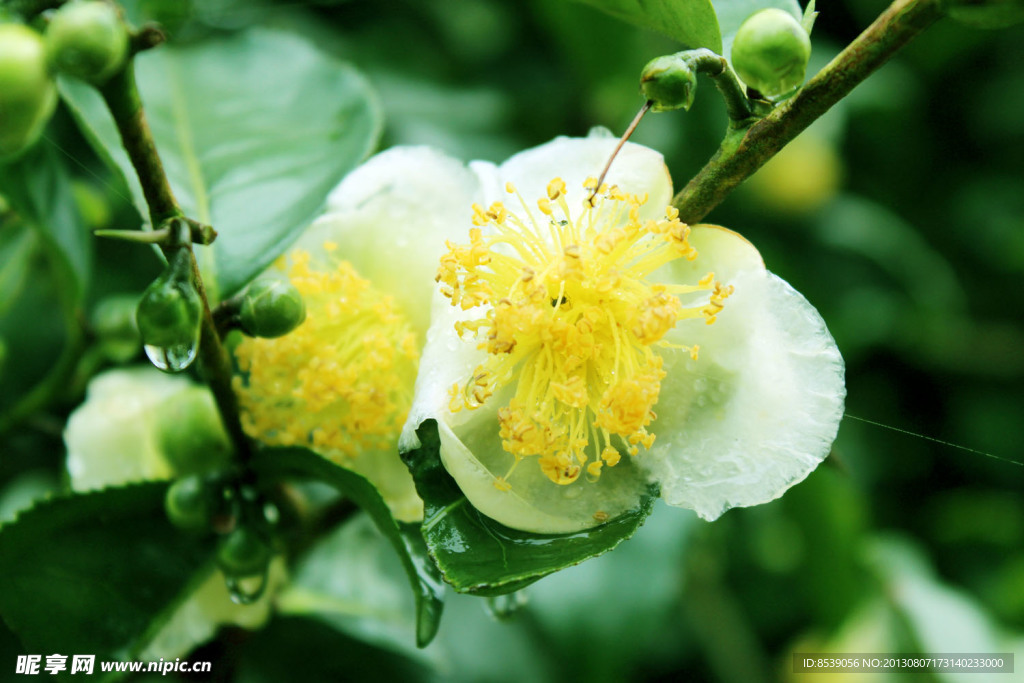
(900, 215)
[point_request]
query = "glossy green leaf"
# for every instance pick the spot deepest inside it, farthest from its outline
(38, 188)
(407, 542)
(691, 22)
(254, 130)
(478, 555)
(97, 572)
(732, 13)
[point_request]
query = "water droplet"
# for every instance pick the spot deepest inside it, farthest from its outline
(172, 358)
(245, 590)
(700, 384)
(169, 316)
(702, 400)
(505, 606)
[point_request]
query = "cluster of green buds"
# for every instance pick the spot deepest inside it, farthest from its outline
(770, 53)
(87, 39)
(209, 495)
(244, 520)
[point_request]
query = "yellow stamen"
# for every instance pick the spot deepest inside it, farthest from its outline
(575, 318)
(341, 382)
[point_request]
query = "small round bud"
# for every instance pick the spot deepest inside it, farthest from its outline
(668, 82)
(189, 503)
(170, 316)
(770, 52)
(87, 39)
(992, 14)
(271, 308)
(190, 434)
(243, 553)
(28, 93)
(117, 333)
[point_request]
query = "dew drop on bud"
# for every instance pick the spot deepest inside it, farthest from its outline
(170, 316)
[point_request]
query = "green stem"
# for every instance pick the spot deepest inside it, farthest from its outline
(737, 104)
(122, 98)
(747, 149)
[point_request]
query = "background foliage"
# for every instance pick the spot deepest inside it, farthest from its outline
(899, 215)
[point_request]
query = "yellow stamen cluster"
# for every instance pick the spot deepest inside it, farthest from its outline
(341, 383)
(574, 318)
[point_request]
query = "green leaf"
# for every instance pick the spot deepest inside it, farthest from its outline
(254, 130)
(691, 22)
(407, 542)
(732, 13)
(17, 245)
(38, 187)
(478, 555)
(97, 572)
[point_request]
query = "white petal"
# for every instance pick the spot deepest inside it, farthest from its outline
(111, 437)
(391, 217)
(446, 360)
(761, 407)
(636, 169)
(473, 455)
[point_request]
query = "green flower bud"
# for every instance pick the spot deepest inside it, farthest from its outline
(28, 94)
(190, 503)
(243, 553)
(190, 434)
(87, 39)
(987, 13)
(770, 52)
(669, 82)
(271, 308)
(170, 316)
(113, 321)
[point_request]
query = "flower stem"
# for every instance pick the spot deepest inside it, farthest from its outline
(746, 149)
(122, 98)
(703, 61)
